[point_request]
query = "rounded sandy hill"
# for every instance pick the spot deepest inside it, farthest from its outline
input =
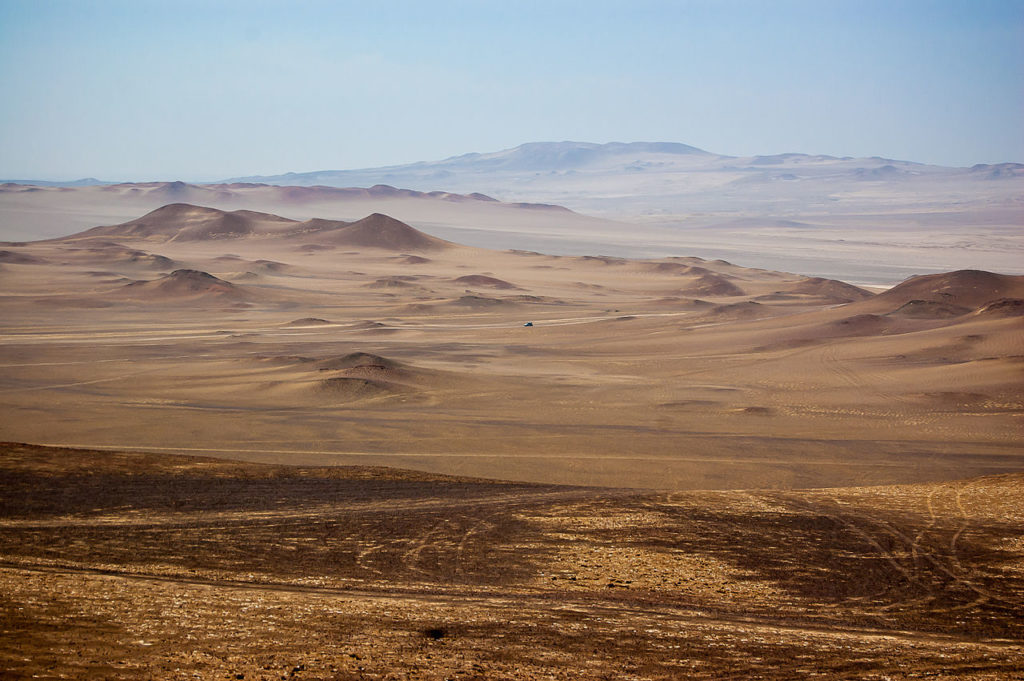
(183, 285)
(833, 289)
(381, 231)
(484, 280)
(962, 288)
(187, 222)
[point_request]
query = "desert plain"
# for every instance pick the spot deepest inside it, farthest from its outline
(246, 445)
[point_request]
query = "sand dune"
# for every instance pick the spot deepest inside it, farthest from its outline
(838, 291)
(185, 222)
(485, 281)
(183, 285)
(381, 231)
(745, 310)
(413, 260)
(356, 388)
(350, 378)
(963, 288)
(711, 284)
(17, 258)
(357, 359)
(397, 281)
(944, 298)
(308, 321)
(478, 301)
(181, 222)
(682, 303)
(111, 253)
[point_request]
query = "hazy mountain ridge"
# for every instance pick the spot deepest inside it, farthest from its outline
(569, 157)
(870, 220)
(671, 183)
(293, 193)
(531, 156)
(83, 182)
(580, 157)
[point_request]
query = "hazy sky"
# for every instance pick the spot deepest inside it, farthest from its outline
(201, 90)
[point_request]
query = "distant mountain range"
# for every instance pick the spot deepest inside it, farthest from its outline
(662, 182)
(663, 179)
(587, 157)
(868, 220)
(84, 182)
(530, 157)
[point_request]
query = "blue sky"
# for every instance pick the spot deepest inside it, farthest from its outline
(145, 90)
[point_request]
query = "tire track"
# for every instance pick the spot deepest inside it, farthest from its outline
(411, 557)
(829, 358)
(932, 519)
(867, 526)
(362, 554)
(460, 549)
(243, 517)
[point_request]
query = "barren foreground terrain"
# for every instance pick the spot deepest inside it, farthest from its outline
(120, 565)
(322, 362)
